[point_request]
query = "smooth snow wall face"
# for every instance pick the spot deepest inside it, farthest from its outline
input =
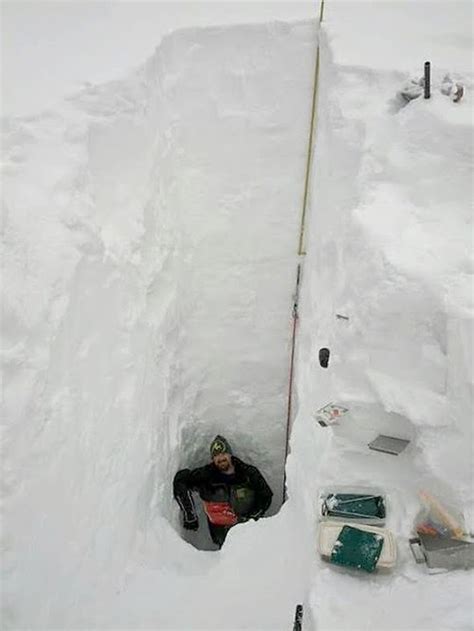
(241, 113)
(150, 232)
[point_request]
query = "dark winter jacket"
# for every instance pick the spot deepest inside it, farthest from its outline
(240, 495)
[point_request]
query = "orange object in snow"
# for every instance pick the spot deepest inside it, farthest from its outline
(220, 513)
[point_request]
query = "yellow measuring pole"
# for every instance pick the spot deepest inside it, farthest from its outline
(301, 248)
(301, 245)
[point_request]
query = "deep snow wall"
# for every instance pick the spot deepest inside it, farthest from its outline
(150, 232)
(239, 178)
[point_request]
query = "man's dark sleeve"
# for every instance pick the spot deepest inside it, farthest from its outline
(263, 493)
(186, 481)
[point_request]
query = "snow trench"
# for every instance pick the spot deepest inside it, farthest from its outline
(151, 231)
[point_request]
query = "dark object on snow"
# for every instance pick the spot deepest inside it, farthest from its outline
(324, 357)
(442, 552)
(416, 550)
(228, 498)
(427, 81)
(220, 446)
(455, 91)
(354, 506)
(339, 316)
(298, 623)
(389, 444)
(357, 548)
(329, 414)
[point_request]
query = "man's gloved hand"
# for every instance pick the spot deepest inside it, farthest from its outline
(256, 516)
(190, 520)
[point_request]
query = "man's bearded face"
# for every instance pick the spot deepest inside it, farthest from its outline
(223, 462)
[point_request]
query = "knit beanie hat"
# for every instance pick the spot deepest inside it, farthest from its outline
(220, 446)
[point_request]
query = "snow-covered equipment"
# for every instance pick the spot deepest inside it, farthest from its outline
(365, 547)
(329, 414)
(412, 90)
(451, 88)
(457, 93)
(389, 444)
(442, 552)
(364, 508)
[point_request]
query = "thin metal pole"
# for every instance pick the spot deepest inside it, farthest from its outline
(427, 79)
(290, 380)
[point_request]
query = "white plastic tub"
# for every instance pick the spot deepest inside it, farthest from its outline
(329, 532)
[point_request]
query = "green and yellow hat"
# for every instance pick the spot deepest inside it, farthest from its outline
(220, 446)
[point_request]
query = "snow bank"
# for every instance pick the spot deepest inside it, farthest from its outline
(390, 249)
(81, 387)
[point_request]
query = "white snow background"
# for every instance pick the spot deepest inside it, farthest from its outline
(152, 185)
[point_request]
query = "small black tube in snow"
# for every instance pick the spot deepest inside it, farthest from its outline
(427, 82)
(324, 357)
(298, 623)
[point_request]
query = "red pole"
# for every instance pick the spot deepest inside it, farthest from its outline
(292, 365)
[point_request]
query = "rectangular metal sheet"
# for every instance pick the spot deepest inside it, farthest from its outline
(389, 444)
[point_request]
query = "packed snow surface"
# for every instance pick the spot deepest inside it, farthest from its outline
(150, 237)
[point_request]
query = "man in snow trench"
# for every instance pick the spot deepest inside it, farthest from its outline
(231, 490)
